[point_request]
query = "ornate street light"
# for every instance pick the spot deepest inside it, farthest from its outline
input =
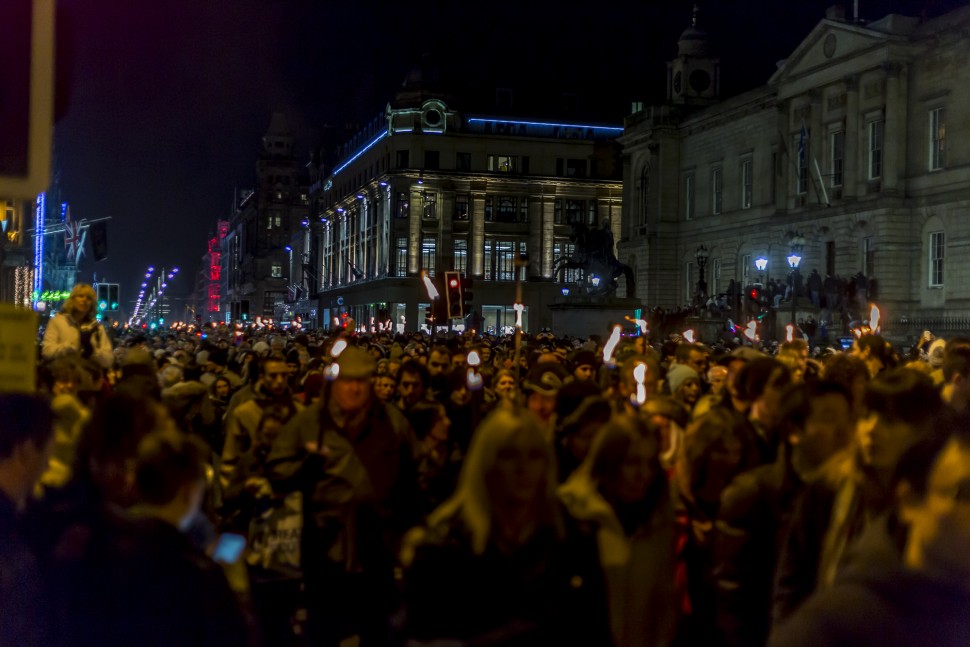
(701, 255)
(797, 245)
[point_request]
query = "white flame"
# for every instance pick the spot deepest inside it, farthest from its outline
(640, 373)
(338, 347)
(642, 323)
(790, 334)
(474, 359)
(474, 379)
(689, 335)
(751, 331)
(611, 345)
(519, 308)
(429, 286)
(874, 319)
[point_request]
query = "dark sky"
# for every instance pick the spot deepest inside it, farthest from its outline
(168, 100)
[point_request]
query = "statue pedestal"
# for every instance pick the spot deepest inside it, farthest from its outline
(582, 316)
(706, 330)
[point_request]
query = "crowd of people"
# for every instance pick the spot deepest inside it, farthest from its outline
(308, 488)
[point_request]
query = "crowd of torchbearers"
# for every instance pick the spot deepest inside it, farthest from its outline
(300, 488)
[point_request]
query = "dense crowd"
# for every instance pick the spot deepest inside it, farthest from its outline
(270, 488)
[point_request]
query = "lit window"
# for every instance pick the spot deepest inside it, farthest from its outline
(276, 271)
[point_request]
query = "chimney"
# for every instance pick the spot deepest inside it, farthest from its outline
(836, 12)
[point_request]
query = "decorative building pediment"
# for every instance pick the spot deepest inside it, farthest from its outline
(830, 43)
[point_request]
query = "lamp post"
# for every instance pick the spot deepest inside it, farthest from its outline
(797, 244)
(761, 263)
(701, 256)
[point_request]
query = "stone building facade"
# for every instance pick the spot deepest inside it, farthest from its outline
(858, 143)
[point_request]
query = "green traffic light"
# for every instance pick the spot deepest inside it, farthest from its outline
(103, 305)
(114, 306)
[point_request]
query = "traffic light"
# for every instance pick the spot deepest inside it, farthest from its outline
(103, 300)
(466, 295)
(113, 300)
(754, 293)
(454, 306)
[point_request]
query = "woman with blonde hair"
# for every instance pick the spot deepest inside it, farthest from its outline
(622, 490)
(76, 331)
(499, 562)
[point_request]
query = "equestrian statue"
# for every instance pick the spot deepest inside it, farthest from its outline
(595, 255)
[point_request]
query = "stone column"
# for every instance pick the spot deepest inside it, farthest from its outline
(414, 230)
(540, 249)
(851, 161)
(785, 152)
(894, 130)
(476, 261)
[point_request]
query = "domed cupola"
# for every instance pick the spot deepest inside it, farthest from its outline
(693, 78)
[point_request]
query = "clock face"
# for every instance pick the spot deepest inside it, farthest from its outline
(700, 81)
(678, 83)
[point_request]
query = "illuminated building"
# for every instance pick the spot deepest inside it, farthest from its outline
(426, 188)
(857, 143)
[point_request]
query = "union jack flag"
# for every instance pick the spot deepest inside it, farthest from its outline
(72, 236)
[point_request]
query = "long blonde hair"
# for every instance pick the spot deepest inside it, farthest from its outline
(71, 307)
(472, 499)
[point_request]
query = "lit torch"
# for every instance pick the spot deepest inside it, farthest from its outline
(874, 319)
(640, 373)
(642, 323)
(519, 308)
(611, 345)
(751, 331)
(689, 335)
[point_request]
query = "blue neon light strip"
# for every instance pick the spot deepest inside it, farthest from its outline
(39, 243)
(544, 123)
(360, 152)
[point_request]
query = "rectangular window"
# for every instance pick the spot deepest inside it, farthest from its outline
(937, 256)
(801, 163)
(431, 160)
(429, 207)
(747, 183)
(716, 190)
(402, 208)
(937, 138)
(461, 255)
(523, 209)
(502, 163)
(429, 254)
(505, 254)
(689, 197)
(591, 213)
(463, 162)
(488, 260)
(574, 211)
(402, 159)
(401, 257)
(506, 209)
(563, 249)
(575, 168)
(745, 270)
(461, 206)
(868, 256)
(276, 270)
(557, 211)
(489, 209)
(875, 149)
(837, 160)
(689, 282)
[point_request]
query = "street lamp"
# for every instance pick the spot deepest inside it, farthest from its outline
(797, 244)
(565, 292)
(761, 263)
(701, 255)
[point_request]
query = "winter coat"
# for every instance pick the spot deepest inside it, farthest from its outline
(24, 620)
(63, 337)
(549, 591)
(640, 568)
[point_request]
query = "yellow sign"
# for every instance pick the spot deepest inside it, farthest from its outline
(18, 350)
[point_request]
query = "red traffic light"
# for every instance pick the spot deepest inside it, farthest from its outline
(754, 294)
(453, 283)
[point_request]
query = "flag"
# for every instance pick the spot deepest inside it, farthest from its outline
(802, 138)
(99, 240)
(72, 235)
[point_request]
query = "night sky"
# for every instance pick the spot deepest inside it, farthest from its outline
(168, 100)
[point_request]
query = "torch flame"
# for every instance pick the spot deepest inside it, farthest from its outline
(689, 335)
(518, 307)
(751, 331)
(640, 373)
(790, 332)
(474, 359)
(642, 323)
(857, 332)
(338, 347)
(874, 319)
(611, 345)
(474, 380)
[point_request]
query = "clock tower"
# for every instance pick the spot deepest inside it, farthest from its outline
(694, 77)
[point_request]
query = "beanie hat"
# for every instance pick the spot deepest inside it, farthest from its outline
(583, 358)
(678, 374)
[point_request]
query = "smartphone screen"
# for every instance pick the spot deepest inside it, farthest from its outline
(229, 548)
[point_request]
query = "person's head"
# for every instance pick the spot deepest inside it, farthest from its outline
(761, 382)
(692, 355)
(221, 388)
(578, 429)
(26, 441)
(715, 451)
(684, 383)
(875, 352)
(274, 374)
(816, 422)
(413, 381)
(583, 365)
(624, 462)
(717, 378)
(459, 359)
(505, 385)
(170, 474)
(65, 377)
(934, 502)
(901, 407)
(270, 423)
(956, 375)
(430, 421)
(797, 347)
(851, 372)
(541, 385)
(439, 361)
(81, 304)
(384, 386)
(351, 389)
